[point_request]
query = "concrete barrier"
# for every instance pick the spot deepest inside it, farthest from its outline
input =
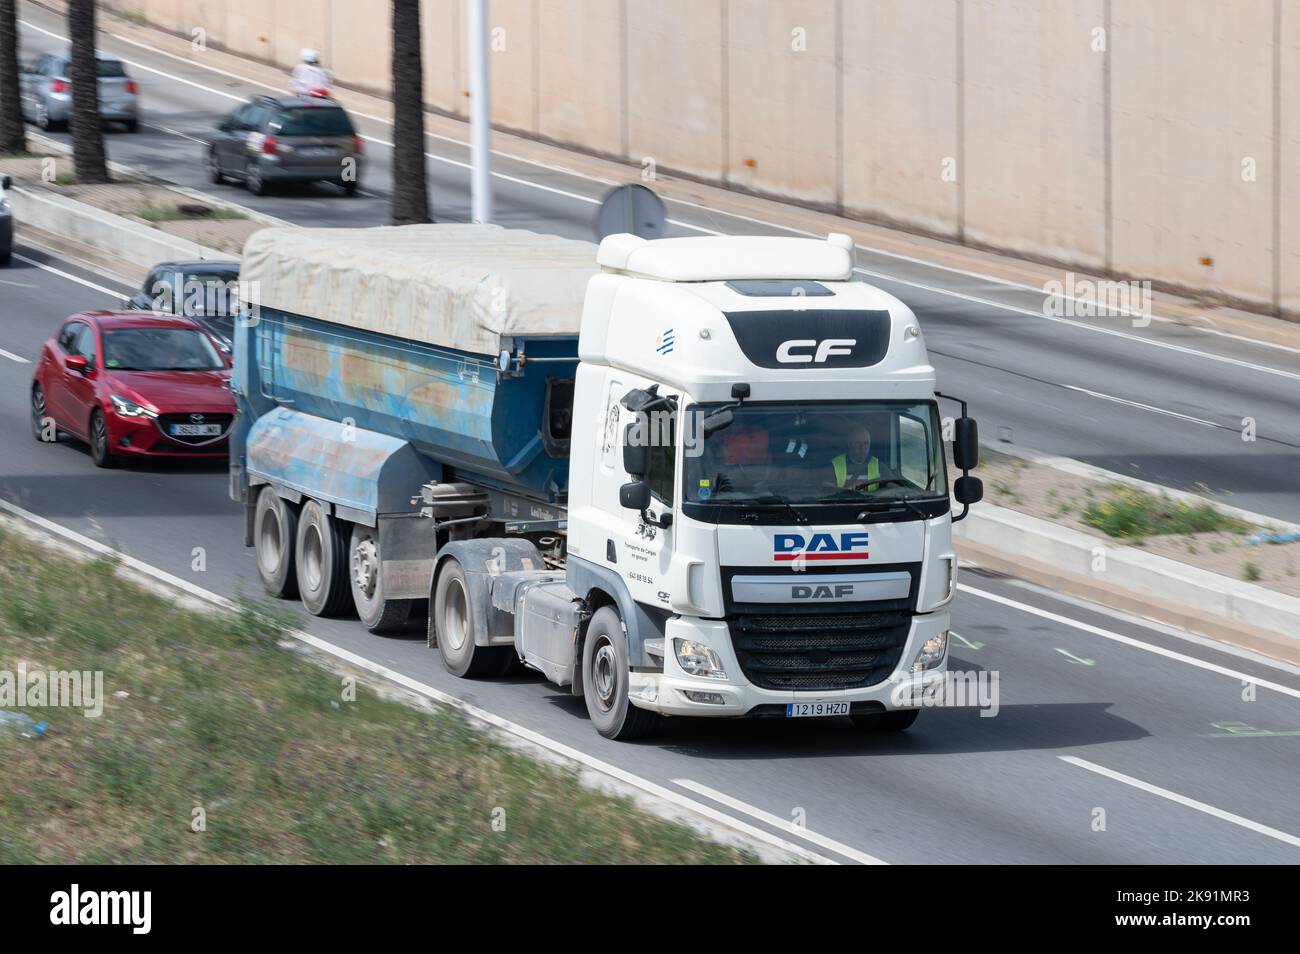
(1198, 594)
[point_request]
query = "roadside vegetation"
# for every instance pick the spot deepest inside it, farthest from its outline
(212, 721)
(187, 213)
(1129, 512)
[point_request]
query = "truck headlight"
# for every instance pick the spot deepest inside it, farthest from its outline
(129, 408)
(932, 652)
(698, 659)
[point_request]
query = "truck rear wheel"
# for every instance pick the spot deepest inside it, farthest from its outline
(605, 681)
(895, 720)
(275, 530)
(321, 556)
(379, 615)
(453, 623)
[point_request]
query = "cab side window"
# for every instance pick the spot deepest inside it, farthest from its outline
(86, 344)
(663, 455)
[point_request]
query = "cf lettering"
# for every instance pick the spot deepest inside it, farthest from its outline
(795, 350)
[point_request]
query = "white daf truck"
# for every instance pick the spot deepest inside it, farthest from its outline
(697, 477)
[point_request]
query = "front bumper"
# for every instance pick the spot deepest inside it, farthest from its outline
(143, 437)
(670, 692)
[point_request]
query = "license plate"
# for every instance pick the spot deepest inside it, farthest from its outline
(196, 430)
(315, 151)
(799, 710)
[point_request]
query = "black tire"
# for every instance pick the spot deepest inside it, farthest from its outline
(350, 187)
(99, 450)
(275, 535)
(132, 125)
(452, 622)
(379, 615)
(605, 681)
(5, 256)
(40, 413)
(253, 179)
(215, 175)
(896, 720)
(321, 558)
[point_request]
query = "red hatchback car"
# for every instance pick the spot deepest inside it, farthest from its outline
(134, 384)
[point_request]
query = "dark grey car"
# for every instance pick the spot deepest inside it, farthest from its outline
(207, 291)
(275, 139)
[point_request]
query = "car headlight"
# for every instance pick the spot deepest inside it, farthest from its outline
(129, 408)
(698, 659)
(932, 652)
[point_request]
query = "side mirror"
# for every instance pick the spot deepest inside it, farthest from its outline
(968, 490)
(636, 455)
(634, 495)
(966, 443)
(76, 362)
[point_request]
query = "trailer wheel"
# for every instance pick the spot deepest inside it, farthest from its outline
(896, 720)
(321, 556)
(453, 622)
(605, 681)
(275, 529)
(379, 615)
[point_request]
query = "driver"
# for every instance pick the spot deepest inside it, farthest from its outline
(857, 468)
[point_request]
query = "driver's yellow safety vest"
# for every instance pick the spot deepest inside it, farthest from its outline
(841, 464)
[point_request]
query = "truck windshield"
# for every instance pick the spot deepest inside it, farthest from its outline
(817, 452)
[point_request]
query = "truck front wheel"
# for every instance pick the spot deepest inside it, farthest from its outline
(453, 622)
(605, 681)
(322, 558)
(275, 528)
(379, 615)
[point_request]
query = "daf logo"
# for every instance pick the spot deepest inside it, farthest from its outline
(837, 592)
(196, 418)
(826, 348)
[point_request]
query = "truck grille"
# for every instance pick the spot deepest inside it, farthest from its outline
(818, 651)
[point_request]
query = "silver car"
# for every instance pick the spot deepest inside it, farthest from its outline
(46, 92)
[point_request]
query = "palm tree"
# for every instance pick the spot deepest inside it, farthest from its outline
(13, 135)
(410, 203)
(87, 127)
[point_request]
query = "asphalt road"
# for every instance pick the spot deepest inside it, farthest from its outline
(1164, 403)
(1158, 735)
(1077, 683)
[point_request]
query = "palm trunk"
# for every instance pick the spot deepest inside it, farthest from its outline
(13, 135)
(410, 203)
(87, 127)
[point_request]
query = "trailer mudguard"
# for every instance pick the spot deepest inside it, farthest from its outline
(483, 560)
(361, 473)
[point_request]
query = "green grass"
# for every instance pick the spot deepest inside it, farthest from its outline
(1251, 572)
(220, 717)
(1129, 512)
(174, 213)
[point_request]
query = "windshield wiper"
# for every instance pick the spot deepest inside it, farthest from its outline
(795, 515)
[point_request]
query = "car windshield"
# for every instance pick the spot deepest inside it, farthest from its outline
(314, 121)
(817, 452)
(160, 349)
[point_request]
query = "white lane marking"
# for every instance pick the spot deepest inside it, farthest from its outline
(1219, 813)
(1169, 346)
(1145, 407)
(437, 695)
(776, 821)
(16, 284)
(1130, 641)
(13, 357)
(174, 132)
(593, 201)
(70, 277)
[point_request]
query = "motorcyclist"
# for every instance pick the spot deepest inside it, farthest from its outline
(309, 77)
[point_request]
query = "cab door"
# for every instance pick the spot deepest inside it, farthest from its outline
(645, 546)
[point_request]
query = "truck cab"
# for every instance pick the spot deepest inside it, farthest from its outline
(767, 483)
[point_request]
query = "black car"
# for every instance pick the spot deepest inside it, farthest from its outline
(208, 292)
(6, 222)
(286, 139)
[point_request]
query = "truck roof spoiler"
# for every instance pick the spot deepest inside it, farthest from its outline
(720, 258)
